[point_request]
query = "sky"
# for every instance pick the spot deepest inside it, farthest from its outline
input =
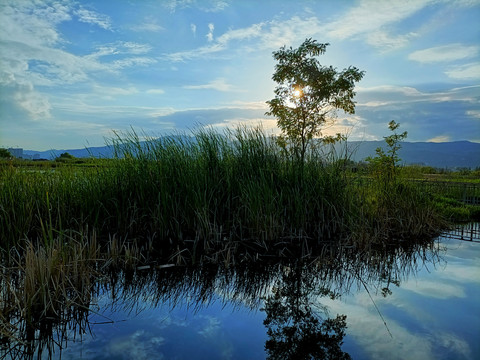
(73, 72)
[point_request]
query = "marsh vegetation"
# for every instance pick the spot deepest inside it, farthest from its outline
(231, 202)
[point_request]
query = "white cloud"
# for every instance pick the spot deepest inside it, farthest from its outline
(193, 27)
(35, 104)
(271, 35)
(444, 53)
(405, 90)
(373, 21)
(366, 328)
(149, 24)
(387, 42)
(133, 61)
(257, 105)
(268, 125)
(370, 16)
(139, 345)
(32, 55)
(151, 27)
(379, 22)
(204, 5)
(454, 343)
(155, 91)
(135, 48)
(219, 84)
(111, 91)
(432, 288)
(386, 95)
(465, 72)
(212, 328)
(92, 17)
(119, 48)
(19, 23)
(275, 34)
(474, 113)
(195, 53)
(439, 139)
(211, 27)
(173, 5)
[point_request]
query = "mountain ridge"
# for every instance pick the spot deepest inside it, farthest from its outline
(453, 154)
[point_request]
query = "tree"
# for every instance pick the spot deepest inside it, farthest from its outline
(65, 157)
(385, 164)
(4, 153)
(308, 94)
(294, 329)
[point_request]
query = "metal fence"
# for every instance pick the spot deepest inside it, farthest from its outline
(466, 232)
(467, 192)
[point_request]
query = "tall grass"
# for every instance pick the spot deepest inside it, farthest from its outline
(194, 194)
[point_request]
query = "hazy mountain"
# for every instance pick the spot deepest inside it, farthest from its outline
(100, 151)
(440, 155)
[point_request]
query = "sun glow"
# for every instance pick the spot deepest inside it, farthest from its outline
(297, 92)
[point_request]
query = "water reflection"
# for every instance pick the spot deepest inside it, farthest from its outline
(295, 330)
(288, 293)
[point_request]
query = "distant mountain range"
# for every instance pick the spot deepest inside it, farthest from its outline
(440, 155)
(455, 154)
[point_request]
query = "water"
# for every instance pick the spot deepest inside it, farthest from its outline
(421, 302)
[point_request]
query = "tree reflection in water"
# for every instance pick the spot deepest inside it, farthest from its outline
(288, 291)
(296, 331)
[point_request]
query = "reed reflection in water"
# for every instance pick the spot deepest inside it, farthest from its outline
(286, 295)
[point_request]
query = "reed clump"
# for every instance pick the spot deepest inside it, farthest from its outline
(46, 287)
(194, 195)
(47, 290)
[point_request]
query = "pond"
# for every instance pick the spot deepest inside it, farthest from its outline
(415, 302)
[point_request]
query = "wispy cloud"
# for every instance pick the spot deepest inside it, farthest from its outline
(155, 91)
(269, 125)
(209, 35)
(385, 41)
(204, 5)
(432, 288)
(393, 95)
(34, 54)
(113, 91)
(92, 17)
(473, 113)
(219, 84)
(132, 61)
(369, 16)
(444, 53)
(268, 35)
(464, 72)
(439, 139)
(120, 47)
(193, 27)
(135, 48)
(149, 25)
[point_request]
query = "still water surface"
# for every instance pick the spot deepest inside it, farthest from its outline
(420, 303)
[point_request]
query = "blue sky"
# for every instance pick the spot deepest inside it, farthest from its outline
(71, 72)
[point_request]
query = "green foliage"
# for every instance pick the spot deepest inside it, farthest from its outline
(385, 164)
(65, 157)
(456, 211)
(308, 94)
(195, 194)
(4, 153)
